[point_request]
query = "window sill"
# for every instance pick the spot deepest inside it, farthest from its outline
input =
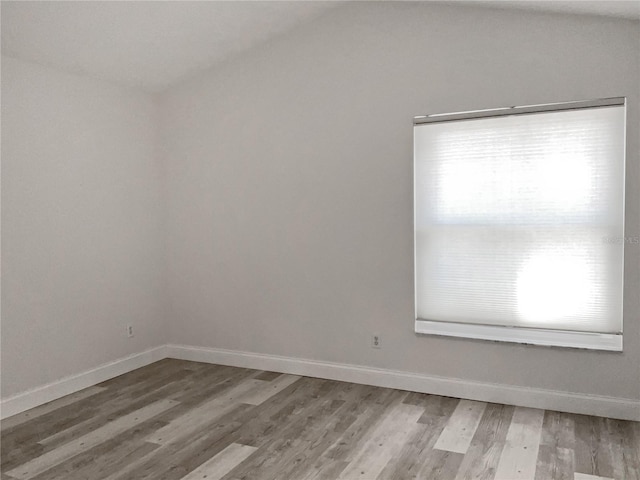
(531, 336)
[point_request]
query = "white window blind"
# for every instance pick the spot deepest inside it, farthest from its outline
(519, 222)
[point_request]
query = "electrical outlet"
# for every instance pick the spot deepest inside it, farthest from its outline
(129, 331)
(376, 341)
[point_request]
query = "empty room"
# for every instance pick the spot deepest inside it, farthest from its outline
(320, 240)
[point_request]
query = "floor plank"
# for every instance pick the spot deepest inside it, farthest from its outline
(482, 456)
(271, 419)
(418, 459)
(384, 442)
(268, 376)
(183, 425)
(106, 458)
(286, 450)
(267, 390)
(584, 476)
(625, 451)
(132, 391)
(40, 464)
(34, 413)
(222, 463)
(592, 452)
(174, 460)
(519, 456)
(340, 411)
(556, 452)
(117, 407)
(461, 427)
(357, 420)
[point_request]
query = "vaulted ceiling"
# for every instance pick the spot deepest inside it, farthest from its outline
(154, 44)
(149, 44)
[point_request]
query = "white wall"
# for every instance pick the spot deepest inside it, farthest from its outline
(81, 218)
(289, 182)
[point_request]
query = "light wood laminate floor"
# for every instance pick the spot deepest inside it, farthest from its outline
(184, 420)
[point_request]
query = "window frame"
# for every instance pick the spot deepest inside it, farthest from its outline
(515, 334)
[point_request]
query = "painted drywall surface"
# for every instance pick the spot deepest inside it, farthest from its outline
(289, 175)
(81, 250)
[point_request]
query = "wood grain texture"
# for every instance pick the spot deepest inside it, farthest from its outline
(269, 389)
(180, 420)
(54, 457)
(592, 452)
(218, 406)
(218, 466)
(555, 454)
(106, 458)
(624, 438)
(383, 442)
(482, 457)
(49, 407)
(461, 427)
(520, 453)
(584, 476)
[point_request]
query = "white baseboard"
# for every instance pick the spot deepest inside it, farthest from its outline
(622, 408)
(65, 386)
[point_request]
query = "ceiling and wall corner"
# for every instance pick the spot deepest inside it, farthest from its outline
(155, 44)
(144, 44)
(614, 8)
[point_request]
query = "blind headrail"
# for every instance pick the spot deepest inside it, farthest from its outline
(520, 110)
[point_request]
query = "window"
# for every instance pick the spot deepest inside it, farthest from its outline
(519, 224)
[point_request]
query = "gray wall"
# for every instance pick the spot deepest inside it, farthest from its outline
(289, 183)
(284, 196)
(81, 225)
